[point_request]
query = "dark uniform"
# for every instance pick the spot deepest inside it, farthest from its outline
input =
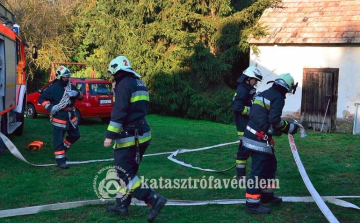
(131, 132)
(241, 106)
(64, 120)
(265, 121)
(128, 124)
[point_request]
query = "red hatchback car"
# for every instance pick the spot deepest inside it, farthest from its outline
(97, 102)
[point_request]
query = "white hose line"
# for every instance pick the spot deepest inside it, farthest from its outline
(179, 151)
(14, 150)
(69, 205)
(320, 203)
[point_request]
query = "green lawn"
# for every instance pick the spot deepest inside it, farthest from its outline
(331, 161)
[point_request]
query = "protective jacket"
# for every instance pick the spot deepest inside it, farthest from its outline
(52, 96)
(128, 115)
(265, 119)
(242, 102)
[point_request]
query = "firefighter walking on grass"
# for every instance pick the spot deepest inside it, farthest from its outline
(242, 102)
(130, 132)
(264, 122)
(59, 99)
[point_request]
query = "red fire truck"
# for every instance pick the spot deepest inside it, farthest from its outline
(12, 76)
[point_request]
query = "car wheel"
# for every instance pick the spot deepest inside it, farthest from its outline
(30, 111)
(105, 120)
(78, 115)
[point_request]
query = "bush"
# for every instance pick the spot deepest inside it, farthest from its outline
(170, 95)
(215, 106)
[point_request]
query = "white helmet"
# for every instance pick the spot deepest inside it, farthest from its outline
(253, 72)
(121, 63)
(286, 81)
(62, 71)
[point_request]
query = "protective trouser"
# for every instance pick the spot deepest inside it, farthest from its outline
(61, 144)
(267, 193)
(241, 158)
(263, 169)
(130, 184)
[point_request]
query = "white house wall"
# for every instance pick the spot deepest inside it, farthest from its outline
(275, 60)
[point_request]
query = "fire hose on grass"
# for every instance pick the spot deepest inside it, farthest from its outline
(67, 205)
(315, 195)
(319, 201)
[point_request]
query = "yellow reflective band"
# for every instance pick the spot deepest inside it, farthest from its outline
(240, 133)
(145, 139)
(245, 110)
(284, 127)
(240, 161)
(123, 190)
(140, 98)
(258, 102)
(133, 187)
(125, 144)
(136, 185)
(131, 143)
(113, 129)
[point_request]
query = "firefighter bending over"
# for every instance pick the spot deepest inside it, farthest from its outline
(264, 122)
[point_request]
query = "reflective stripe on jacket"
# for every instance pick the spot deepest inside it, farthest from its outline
(129, 112)
(130, 140)
(265, 111)
(242, 102)
(52, 96)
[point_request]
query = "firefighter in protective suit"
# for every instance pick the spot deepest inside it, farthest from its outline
(59, 99)
(130, 131)
(242, 102)
(264, 122)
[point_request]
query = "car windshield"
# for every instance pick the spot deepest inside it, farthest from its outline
(100, 89)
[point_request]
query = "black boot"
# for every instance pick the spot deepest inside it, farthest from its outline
(270, 198)
(273, 200)
(121, 206)
(158, 203)
(61, 163)
(119, 210)
(258, 210)
(63, 166)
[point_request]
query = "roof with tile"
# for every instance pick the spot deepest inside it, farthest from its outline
(311, 22)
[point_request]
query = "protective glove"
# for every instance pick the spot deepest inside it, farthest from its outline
(292, 128)
(277, 132)
(54, 109)
(72, 93)
(273, 131)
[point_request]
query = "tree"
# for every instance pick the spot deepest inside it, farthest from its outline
(186, 50)
(47, 25)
